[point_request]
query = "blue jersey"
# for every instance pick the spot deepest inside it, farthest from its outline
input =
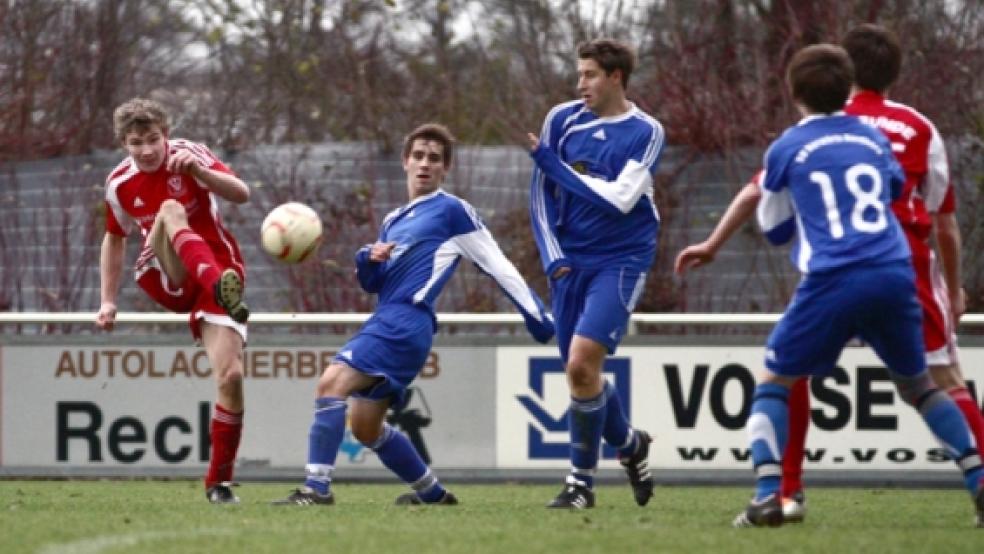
(432, 233)
(591, 196)
(830, 180)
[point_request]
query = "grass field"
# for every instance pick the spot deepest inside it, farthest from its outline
(161, 516)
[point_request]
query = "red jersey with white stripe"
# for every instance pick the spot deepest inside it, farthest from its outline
(133, 199)
(919, 149)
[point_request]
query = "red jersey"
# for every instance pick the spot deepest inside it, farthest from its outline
(133, 199)
(919, 149)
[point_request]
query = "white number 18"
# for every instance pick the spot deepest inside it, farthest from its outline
(864, 199)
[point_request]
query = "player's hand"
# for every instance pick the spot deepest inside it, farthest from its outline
(533, 141)
(106, 317)
(183, 162)
(380, 251)
(693, 257)
(958, 304)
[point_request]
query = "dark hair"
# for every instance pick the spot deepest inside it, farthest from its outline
(435, 132)
(609, 54)
(820, 76)
(138, 114)
(876, 54)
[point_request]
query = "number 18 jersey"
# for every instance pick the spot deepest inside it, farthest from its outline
(830, 180)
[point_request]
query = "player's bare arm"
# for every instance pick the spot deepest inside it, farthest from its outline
(948, 242)
(380, 251)
(225, 185)
(739, 211)
(110, 272)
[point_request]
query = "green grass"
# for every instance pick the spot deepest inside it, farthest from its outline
(161, 516)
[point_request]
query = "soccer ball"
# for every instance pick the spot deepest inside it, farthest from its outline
(291, 232)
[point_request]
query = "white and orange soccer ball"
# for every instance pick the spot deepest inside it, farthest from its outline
(291, 232)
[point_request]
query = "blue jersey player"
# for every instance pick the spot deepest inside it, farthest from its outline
(595, 224)
(419, 247)
(829, 181)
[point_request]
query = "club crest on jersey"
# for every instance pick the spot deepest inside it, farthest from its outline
(175, 185)
(580, 167)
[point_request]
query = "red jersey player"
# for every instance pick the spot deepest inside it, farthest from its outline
(927, 206)
(189, 263)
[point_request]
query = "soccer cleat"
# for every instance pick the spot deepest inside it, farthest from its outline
(229, 294)
(637, 468)
(222, 493)
(411, 499)
(576, 496)
(762, 513)
(305, 497)
(794, 508)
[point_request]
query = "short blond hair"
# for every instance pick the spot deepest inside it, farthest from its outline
(138, 114)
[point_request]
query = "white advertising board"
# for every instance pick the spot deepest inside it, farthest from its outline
(694, 401)
(496, 408)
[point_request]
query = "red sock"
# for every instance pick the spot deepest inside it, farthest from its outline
(972, 413)
(225, 431)
(799, 421)
(197, 258)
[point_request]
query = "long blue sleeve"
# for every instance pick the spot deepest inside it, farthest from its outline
(544, 215)
(370, 273)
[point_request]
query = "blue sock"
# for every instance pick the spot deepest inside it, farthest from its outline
(587, 420)
(325, 437)
(398, 454)
(948, 424)
(617, 431)
(767, 428)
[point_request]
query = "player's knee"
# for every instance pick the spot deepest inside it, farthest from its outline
(947, 377)
(229, 373)
(231, 378)
(172, 211)
(916, 390)
(366, 432)
(582, 376)
(331, 383)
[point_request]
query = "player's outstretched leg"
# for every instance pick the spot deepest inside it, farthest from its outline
(397, 453)
(947, 423)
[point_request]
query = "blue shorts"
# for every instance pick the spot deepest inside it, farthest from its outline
(876, 303)
(595, 303)
(392, 344)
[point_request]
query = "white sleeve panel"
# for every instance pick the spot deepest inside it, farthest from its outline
(444, 258)
(126, 222)
(626, 190)
(774, 209)
(937, 179)
(481, 248)
(540, 219)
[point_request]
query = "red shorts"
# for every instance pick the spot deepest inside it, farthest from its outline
(938, 329)
(189, 298)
